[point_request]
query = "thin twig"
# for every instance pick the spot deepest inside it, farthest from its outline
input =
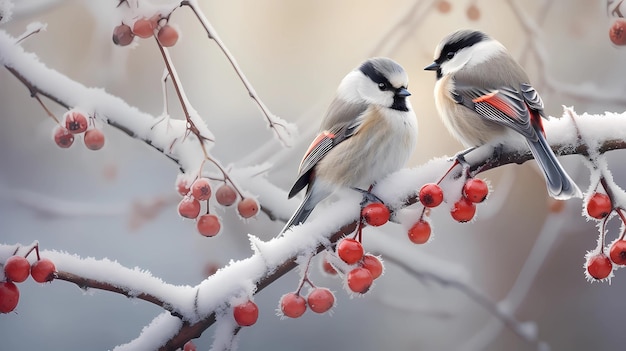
(212, 33)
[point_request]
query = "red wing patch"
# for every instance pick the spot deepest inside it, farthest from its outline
(321, 136)
(497, 102)
(535, 118)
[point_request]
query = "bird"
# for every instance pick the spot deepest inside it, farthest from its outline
(484, 96)
(369, 131)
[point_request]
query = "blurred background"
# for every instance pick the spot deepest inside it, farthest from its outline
(295, 53)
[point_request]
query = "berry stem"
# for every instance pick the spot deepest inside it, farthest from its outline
(305, 276)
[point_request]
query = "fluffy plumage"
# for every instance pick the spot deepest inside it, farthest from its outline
(482, 95)
(368, 132)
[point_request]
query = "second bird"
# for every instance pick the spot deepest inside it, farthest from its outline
(483, 95)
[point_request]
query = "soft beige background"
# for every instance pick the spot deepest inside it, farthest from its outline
(295, 53)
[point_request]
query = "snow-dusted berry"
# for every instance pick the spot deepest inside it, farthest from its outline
(17, 269)
(201, 189)
(375, 214)
(372, 264)
(475, 190)
(76, 122)
(122, 35)
(209, 225)
(94, 139)
(617, 253)
(463, 210)
(360, 280)
(189, 207)
(599, 206)
(43, 270)
(62, 137)
(246, 314)
(350, 250)
(419, 233)
(599, 266)
(189, 346)
(144, 28)
(292, 305)
(9, 297)
(617, 32)
(431, 195)
(248, 207)
(225, 195)
(320, 300)
(167, 35)
(328, 268)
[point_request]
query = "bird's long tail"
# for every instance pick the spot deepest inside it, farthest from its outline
(560, 185)
(302, 213)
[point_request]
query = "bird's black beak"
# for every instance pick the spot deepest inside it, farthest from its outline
(403, 92)
(432, 67)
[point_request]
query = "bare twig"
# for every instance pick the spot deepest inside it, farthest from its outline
(274, 122)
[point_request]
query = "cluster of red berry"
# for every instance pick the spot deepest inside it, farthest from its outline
(157, 25)
(209, 224)
(16, 270)
(599, 265)
(75, 123)
(431, 195)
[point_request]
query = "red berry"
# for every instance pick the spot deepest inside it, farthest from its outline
(359, 280)
(94, 139)
(75, 122)
(375, 214)
(9, 297)
(473, 13)
(463, 210)
(320, 300)
(144, 28)
(617, 33)
(372, 264)
(201, 189)
(246, 313)
(419, 233)
(62, 137)
(122, 35)
(292, 305)
(248, 207)
(599, 266)
(618, 252)
(444, 6)
(431, 195)
(599, 206)
(328, 268)
(189, 207)
(182, 188)
(168, 36)
(17, 269)
(475, 190)
(209, 225)
(189, 346)
(350, 250)
(225, 195)
(43, 270)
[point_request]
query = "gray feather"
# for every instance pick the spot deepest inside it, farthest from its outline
(560, 185)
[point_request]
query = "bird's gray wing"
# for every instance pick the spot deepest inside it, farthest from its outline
(508, 106)
(339, 124)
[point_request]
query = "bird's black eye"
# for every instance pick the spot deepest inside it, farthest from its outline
(383, 86)
(450, 55)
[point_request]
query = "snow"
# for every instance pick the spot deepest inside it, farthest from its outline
(6, 11)
(154, 335)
